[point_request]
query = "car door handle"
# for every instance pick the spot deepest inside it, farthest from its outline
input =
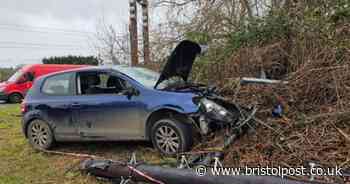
(76, 106)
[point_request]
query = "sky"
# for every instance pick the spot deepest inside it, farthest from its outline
(32, 30)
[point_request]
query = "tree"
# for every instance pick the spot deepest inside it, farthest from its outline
(112, 46)
(5, 73)
(74, 60)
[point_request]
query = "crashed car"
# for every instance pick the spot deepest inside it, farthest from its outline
(127, 103)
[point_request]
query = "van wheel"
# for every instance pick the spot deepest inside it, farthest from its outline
(40, 135)
(15, 98)
(170, 136)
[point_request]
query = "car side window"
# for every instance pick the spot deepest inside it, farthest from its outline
(58, 85)
(94, 83)
(26, 77)
(30, 76)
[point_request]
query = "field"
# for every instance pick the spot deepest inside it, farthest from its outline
(21, 164)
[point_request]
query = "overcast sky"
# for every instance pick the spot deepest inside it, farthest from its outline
(33, 29)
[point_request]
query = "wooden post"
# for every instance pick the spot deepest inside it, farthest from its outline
(145, 28)
(133, 33)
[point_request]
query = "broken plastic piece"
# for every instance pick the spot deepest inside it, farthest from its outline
(183, 163)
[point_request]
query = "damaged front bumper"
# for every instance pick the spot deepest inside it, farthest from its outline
(219, 114)
(217, 136)
(245, 123)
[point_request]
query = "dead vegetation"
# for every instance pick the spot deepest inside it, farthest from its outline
(315, 124)
(313, 55)
(306, 43)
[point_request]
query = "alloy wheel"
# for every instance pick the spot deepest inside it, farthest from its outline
(40, 134)
(167, 139)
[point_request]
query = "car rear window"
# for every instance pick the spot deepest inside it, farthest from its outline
(58, 85)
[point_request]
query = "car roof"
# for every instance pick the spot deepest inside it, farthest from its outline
(89, 68)
(31, 66)
(116, 68)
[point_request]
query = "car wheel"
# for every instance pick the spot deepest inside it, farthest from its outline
(170, 136)
(40, 135)
(15, 98)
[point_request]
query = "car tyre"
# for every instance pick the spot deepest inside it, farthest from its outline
(170, 136)
(40, 135)
(15, 98)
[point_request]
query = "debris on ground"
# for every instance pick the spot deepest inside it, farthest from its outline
(121, 172)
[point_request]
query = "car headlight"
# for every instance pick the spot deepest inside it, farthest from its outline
(215, 111)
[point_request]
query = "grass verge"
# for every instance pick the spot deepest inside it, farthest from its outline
(20, 163)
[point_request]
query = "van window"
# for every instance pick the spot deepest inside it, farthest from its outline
(15, 76)
(26, 77)
(58, 85)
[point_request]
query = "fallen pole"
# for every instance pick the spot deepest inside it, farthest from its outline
(246, 80)
(159, 175)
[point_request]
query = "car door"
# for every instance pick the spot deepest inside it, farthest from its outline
(104, 115)
(58, 91)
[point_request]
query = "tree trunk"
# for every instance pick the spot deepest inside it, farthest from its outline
(246, 5)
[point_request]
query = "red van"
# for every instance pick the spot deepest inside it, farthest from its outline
(15, 88)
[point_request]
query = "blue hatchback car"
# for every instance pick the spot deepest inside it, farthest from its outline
(126, 103)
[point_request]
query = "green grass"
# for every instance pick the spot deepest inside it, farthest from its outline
(20, 163)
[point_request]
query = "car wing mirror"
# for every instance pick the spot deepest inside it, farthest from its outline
(129, 92)
(30, 77)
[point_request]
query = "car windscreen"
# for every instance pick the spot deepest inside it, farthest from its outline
(15, 76)
(144, 76)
